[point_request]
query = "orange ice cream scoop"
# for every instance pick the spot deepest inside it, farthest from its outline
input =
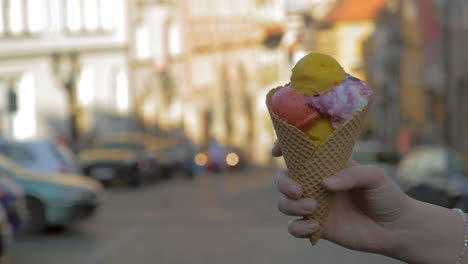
(291, 107)
(320, 131)
(316, 74)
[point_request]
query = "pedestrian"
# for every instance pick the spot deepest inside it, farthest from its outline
(370, 213)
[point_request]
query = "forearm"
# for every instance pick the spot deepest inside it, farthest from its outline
(429, 234)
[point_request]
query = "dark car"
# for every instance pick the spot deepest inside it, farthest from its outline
(135, 143)
(174, 155)
(111, 165)
(435, 175)
(218, 158)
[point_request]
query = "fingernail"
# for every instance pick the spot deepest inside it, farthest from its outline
(310, 207)
(330, 181)
(312, 226)
(293, 191)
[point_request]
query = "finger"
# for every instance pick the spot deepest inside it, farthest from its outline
(302, 228)
(300, 207)
(287, 186)
(276, 151)
(355, 177)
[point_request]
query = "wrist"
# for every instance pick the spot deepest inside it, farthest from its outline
(428, 234)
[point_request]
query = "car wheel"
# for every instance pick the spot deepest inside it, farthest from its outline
(189, 173)
(55, 229)
(135, 177)
(460, 204)
(165, 173)
(36, 212)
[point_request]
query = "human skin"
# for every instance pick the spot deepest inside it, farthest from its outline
(370, 213)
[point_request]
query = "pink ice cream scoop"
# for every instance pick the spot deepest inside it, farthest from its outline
(342, 101)
(291, 107)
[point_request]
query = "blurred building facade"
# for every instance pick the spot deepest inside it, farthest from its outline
(343, 30)
(434, 71)
(209, 64)
(424, 42)
(63, 66)
(410, 52)
(77, 68)
(456, 25)
(382, 55)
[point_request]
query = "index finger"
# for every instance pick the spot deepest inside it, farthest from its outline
(288, 186)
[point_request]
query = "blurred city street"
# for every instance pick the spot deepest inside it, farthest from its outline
(137, 131)
(228, 218)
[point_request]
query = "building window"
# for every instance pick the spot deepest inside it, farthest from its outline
(90, 16)
(37, 12)
(85, 91)
(121, 92)
(74, 15)
(24, 121)
(143, 45)
(15, 13)
(2, 17)
(23, 17)
(107, 15)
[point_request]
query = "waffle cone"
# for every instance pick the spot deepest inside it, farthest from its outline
(309, 164)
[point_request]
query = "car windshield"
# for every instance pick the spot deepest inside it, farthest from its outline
(134, 146)
(62, 154)
(17, 153)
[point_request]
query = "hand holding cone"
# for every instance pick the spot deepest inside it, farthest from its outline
(315, 139)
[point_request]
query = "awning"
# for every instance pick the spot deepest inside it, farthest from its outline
(354, 10)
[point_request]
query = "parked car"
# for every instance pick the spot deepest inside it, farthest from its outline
(374, 153)
(173, 155)
(54, 199)
(136, 144)
(435, 175)
(217, 158)
(110, 165)
(5, 237)
(13, 200)
(44, 156)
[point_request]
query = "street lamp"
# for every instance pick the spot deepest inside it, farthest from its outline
(66, 69)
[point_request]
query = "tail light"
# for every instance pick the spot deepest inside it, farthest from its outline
(3, 194)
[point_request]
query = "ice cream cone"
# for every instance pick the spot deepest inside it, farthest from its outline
(309, 164)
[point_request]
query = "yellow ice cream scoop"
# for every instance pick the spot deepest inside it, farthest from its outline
(316, 74)
(320, 131)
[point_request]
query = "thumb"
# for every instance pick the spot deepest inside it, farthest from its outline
(354, 177)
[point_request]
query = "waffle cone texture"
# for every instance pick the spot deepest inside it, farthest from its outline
(309, 164)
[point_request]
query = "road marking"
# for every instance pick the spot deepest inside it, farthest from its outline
(109, 249)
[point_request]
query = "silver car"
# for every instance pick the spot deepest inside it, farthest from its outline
(435, 175)
(41, 156)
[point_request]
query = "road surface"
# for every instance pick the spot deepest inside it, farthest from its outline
(230, 219)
